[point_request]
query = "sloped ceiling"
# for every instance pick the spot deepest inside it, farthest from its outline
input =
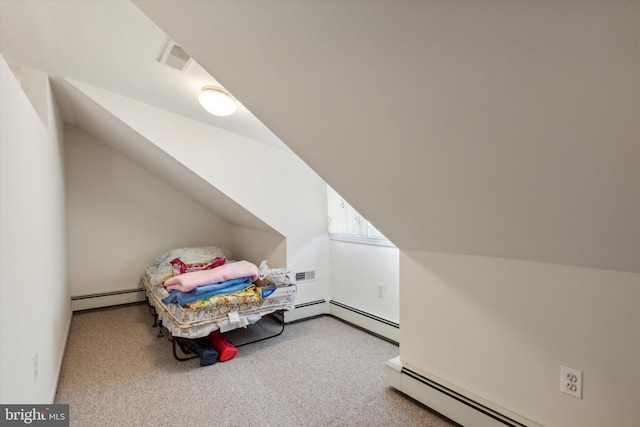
(94, 119)
(498, 128)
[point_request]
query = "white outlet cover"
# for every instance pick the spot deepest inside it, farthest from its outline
(571, 381)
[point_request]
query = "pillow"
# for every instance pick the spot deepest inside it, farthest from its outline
(192, 255)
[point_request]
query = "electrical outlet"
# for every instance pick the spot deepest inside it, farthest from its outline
(381, 290)
(571, 381)
(35, 367)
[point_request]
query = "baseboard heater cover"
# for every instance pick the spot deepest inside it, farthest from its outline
(365, 314)
(107, 299)
(376, 325)
(460, 407)
(107, 294)
(306, 310)
(310, 303)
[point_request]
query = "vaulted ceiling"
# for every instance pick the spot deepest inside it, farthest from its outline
(497, 128)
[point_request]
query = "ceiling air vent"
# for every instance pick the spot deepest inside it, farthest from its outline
(175, 57)
(305, 276)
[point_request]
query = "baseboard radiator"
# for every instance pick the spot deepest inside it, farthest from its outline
(458, 405)
(306, 310)
(107, 299)
(375, 324)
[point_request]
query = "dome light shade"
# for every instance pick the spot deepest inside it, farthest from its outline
(217, 101)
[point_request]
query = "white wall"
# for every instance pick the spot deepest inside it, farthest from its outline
(356, 271)
(501, 329)
(121, 217)
(257, 245)
(35, 306)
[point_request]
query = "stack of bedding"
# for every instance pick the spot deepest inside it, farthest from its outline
(198, 290)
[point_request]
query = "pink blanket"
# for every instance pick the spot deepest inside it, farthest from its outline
(234, 270)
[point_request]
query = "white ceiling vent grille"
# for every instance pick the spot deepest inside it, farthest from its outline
(175, 57)
(305, 276)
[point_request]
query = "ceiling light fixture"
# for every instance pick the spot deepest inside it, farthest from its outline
(217, 101)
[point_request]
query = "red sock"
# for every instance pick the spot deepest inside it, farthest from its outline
(223, 346)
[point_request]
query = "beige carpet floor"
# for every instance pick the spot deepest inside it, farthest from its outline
(319, 372)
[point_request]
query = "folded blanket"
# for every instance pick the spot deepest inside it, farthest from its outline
(189, 281)
(245, 296)
(227, 287)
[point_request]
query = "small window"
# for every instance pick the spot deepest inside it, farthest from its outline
(346, 224)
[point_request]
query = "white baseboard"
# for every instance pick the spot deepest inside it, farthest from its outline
(375, 324)
(107, 299)
(306, 310)
(458, 405)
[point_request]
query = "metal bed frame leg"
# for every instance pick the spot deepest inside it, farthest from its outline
(280, 318)
(175, 342)
(153, 311)
(160, 332)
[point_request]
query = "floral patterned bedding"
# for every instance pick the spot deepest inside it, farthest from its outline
(201, 317)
